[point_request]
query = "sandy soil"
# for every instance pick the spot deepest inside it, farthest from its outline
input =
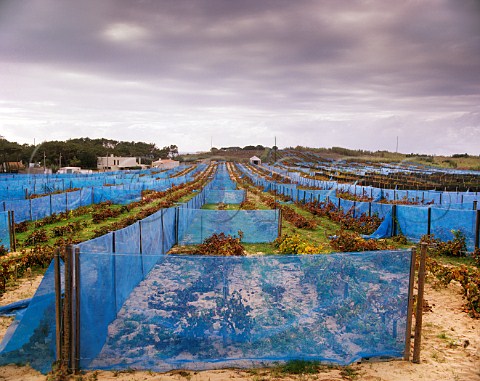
(450, 351)
(23, 290)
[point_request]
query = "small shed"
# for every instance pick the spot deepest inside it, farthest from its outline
(255, 160)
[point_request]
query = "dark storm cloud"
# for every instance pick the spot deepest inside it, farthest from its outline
(322, 67)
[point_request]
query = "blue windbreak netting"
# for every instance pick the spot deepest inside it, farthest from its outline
(102, 244)
(215, 196)
(412, 221)
(123, 188)
(313, 195)
(74, 199)
(58, 202)
(383, 231)
(169, 228)
(97, 300)
(197, 312)
(31, 340)
(442, 221)
(152, 234)
(256, 225)
(224, 183)
(362, 208)
(115, 195)
(21, 208)
(461, 206)
(40, 208)
(382, 210)
(346, 205)
(128, 269)
(136, 249)
(4, 230)
(286, 189)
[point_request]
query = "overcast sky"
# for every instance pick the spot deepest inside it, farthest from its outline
(355, 74)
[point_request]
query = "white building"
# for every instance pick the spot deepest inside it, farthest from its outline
(165, 164)
(255, 160)
(116, 163)
(74, 170)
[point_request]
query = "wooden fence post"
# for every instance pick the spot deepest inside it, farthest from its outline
(67, 310)
(76, 314)
(429, 220)
(419, 310)
(394, 220)
(477, 229)
(58, 308)
(279, 223)
(13, 236)
(408, 330)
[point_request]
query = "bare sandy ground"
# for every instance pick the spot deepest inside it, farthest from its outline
(450, 351)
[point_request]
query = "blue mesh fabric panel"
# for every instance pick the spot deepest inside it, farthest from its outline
(12, 194)
(389, 194)
(304, 195)
(470, 198)
(442, 221)
(381, 209)
(98, 306)
(433, 196)
(361, 208)
(40, 208)
(4, 230)
(185, 218)
(376, 194)
(460, 206)
(21, 209)
(129, 269)
(333, 199)
(383, 231)
(127, 240)
(169, 228)
(346, 205)
(74, 199)
(99, 195)
(412, 221)
(151, 230)
(209, 312)
(59, 202)
(225, 196)
(32, 339)
(115, 194)
(222, 183)
(451, 198)
(401, 194)
(102, 244)
(86, 197)
(256, 225)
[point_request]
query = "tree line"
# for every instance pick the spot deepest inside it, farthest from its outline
(81, 152)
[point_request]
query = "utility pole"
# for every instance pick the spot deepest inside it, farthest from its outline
(396, 150)
(275, 151)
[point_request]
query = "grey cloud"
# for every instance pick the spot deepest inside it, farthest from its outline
(330, 66)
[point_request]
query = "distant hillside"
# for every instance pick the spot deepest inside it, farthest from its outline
(291, 155)
(83, 152)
